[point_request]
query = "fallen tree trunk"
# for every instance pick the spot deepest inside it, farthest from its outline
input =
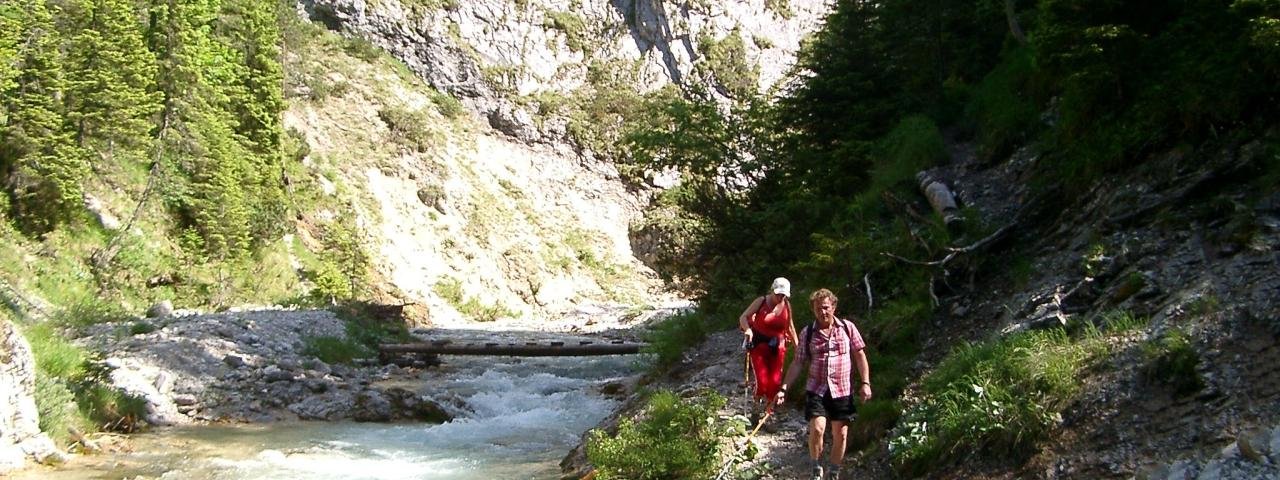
(552, 349)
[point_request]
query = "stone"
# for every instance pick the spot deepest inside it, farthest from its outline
(234, 361)
(42, 449)
(371, 406)
(19, 419)
(161, 309)
(185, 399)
(275, 374)
(100, 211)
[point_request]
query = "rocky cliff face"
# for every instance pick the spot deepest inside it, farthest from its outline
(498, 55)
(20, 436)
(526, 221)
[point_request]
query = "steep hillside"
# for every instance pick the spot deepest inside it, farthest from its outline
(451, 215)
(531, 68)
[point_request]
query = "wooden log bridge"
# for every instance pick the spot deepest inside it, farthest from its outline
(527, 349)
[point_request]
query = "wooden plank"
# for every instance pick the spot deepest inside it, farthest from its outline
(555, 349)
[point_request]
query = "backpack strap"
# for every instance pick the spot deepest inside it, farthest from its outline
(846, 325)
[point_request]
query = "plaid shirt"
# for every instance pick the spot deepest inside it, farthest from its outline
(832, 369)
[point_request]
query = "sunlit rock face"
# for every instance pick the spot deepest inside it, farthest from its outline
(493, 54)
(20, 436)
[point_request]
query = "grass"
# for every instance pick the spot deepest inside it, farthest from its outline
(673, 438)
(668, 340)
(995, 398)
(450, 289)
(726, 59)
(71, 388)
(1171, 359)
(573, 27)
(999, 108)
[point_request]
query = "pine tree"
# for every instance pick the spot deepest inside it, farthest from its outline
(9, 25)
(203, 157)
(251, 29)
(110, 96)
(41, 166)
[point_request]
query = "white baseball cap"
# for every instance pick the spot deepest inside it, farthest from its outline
(781, 285)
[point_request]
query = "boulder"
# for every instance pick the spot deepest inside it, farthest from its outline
(20, 436)
(161, 309)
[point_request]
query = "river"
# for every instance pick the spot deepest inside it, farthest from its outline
(514, 419)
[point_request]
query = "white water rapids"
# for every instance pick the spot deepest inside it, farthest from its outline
(515, 418)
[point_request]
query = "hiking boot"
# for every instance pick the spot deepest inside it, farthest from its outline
(817, 473)
(835, 473)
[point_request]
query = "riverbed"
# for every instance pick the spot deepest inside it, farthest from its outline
(513, 418)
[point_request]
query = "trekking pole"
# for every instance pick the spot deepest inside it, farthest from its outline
(746, 370)
(768, 412)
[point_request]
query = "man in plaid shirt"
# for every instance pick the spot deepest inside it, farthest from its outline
(830, 348)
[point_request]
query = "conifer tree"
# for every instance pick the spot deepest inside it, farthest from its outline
(251, 28)
(8, 46)
(40, 164)
(203, 158)
(110, 96)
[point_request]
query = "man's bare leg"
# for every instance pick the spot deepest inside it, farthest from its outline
(817, 427)
(839, 432)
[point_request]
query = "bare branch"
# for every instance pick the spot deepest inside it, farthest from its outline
(866, 280)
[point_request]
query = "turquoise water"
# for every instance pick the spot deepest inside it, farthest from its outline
(515, 418)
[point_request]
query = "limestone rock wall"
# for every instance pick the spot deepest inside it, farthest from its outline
(20, 436)
(492, 53)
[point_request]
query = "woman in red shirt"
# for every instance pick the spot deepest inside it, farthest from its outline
(768, 328)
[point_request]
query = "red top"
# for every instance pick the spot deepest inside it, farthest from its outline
(772, 321)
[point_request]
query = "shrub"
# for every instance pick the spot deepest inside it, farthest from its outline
(1000, 109)
(447, 105)
(1000, 396)
(334, 349)
(1171, 360)
(673, 439)
(409, 128)
(573, 27)
(669, 339)
(726, 59)
(72, 390)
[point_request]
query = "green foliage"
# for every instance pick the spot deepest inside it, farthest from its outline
(409, 128)
(72, 388)
(573, 27)
(10, 24)
(1000, 396)
(450, 289)
(1000, 109)
(90, 310)
(56, 406)
(1171, 359)
(674, 438)
(599, 112)
(447, 105)
(726, 60)
(39, 161)
(361, 48)
(365, 330)
(780, 7)
(668, 340)
(912, 146)
(1135, 77)
(111, 79)
(334, 349)
(1121, 321)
